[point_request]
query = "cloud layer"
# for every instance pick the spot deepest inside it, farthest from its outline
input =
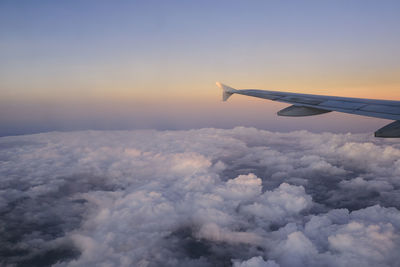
(241, 197)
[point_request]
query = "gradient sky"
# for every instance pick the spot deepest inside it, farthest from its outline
(67, 65)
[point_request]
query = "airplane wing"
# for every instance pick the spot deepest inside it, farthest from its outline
(309, 105)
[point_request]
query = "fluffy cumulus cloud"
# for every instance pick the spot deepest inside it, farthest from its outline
(208, 197)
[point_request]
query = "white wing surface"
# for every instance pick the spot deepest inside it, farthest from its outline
(309, 105)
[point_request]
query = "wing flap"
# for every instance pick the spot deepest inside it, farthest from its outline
(261, 94)
(342, 104)
(382, 109)
(301, 100)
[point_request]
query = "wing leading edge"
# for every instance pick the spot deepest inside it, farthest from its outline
(310, 105)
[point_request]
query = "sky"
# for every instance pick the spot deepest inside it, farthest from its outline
(117, 150)
(72, 65)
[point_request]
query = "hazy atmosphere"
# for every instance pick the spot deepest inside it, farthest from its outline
(117, 150)
(70, 65)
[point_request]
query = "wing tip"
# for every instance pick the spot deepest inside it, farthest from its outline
(226, 90)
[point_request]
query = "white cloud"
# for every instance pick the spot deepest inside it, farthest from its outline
(255, 262)
(282, 203)
(202, 198)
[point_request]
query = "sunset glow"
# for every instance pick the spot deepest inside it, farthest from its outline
(106, 62)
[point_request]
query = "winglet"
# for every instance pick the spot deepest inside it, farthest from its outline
(226, 91)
